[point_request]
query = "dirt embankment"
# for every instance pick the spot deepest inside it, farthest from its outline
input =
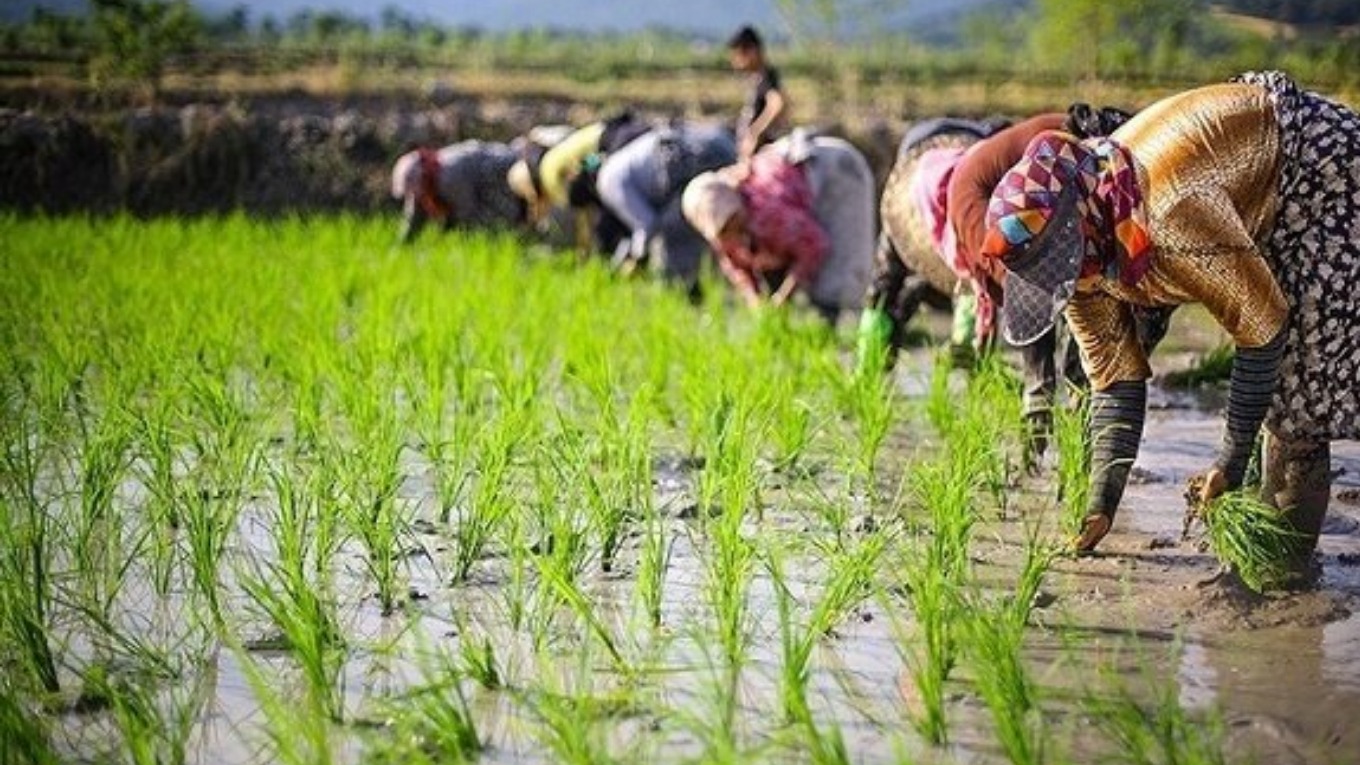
(280, 154)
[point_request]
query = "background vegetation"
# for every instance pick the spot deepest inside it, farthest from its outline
(1046, 41)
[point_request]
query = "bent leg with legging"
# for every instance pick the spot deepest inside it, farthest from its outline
(1040, 387)
(895, 290)
(1296, 479)
(609, 231)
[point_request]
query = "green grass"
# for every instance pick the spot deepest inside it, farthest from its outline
(994, 636)
(416, 505)
(1150, 725)
(1072, 438)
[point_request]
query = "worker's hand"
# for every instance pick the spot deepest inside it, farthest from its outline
(736, 173)
(1094, 527)
(753, 300)
(1200, 490)
(785, 291)
(628, 267)
(1208, 486)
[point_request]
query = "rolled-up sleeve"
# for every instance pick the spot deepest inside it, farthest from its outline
(1237, 288)
(1106, 333)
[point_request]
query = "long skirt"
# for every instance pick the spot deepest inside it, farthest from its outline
(1314, 252)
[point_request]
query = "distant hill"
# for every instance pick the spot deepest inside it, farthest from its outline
(933, 20)
(708, 17)
(1327, 13)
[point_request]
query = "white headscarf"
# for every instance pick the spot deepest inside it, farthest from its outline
(709, 202)
(406, 174)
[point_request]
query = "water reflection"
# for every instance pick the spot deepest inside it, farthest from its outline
(1288, 695)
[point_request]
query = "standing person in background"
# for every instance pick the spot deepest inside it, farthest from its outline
(763, 116)
(461, 185)
(798, 216)
(641, 184)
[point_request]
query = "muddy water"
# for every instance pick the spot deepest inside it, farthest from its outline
(1285, 669)
(1284, 672)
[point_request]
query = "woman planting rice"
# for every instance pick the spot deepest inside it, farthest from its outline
(909, 265)
(642, 183)
(799, 215)
(565, 175)
(1242, 197)
(934, 219)
(462, 185)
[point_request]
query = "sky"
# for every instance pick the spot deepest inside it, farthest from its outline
(702, 16)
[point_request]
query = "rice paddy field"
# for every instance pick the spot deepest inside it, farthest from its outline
(284, 492)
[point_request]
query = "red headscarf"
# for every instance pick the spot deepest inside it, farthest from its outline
(427, 196)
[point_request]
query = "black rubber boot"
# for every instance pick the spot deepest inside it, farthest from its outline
(1038, 433)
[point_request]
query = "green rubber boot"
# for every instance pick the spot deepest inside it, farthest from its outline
(961, 337)
(875, 334)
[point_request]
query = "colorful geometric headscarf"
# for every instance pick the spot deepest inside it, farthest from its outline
(1109, 202)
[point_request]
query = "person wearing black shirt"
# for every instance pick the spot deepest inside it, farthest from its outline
(763, 115)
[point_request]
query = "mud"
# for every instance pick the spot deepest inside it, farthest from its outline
(1283, 667)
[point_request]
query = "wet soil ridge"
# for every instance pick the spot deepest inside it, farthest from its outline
(283, 155)
(210, 158)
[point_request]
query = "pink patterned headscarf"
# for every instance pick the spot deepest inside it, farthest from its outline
(929, 192)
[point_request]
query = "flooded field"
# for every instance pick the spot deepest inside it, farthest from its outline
(284, 493)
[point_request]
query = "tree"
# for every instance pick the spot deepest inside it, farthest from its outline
(133, 39)
(394, 21)
(48, 32)
(1094, 38)
(231, 27)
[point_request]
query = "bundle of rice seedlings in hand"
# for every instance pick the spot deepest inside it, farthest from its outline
(1247, 534)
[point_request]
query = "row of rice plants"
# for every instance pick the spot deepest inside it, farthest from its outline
(245, 447)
